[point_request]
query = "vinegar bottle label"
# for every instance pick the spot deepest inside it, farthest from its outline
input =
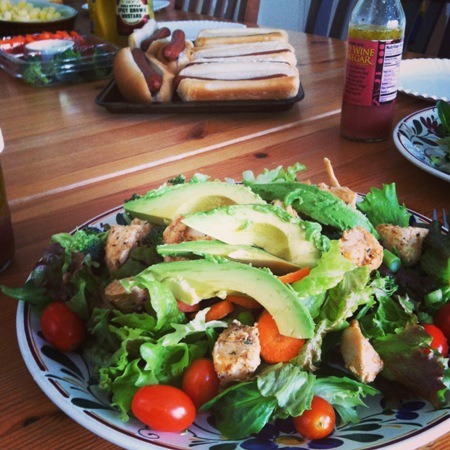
(372, 69)
(132, 14)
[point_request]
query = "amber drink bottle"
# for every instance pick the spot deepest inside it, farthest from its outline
(374, 52)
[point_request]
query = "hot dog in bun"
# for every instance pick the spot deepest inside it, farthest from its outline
(141, 78)
(237, 81)
(275, 51)
(222, 36)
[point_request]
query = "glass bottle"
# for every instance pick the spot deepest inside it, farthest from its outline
(6, 231)
(102, 16)
(374, 52)
(132, 14)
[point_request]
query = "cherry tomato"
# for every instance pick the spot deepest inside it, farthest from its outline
(317, 422)
(163, 408)
(442, 320)
(200, 381)
(62, 327)
(439, 341)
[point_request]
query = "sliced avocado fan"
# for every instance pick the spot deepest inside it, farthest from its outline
(267, 227)
(239, 253)
(193, 281)
(162, 205)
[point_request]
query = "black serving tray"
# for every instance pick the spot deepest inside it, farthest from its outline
(111, 98)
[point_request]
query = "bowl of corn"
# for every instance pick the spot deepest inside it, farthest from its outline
(34, 16)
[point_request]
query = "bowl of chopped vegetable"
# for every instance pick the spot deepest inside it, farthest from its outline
(30, 16)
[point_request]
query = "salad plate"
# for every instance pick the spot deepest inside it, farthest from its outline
(416, 139)
(192, 27)
(427, 78)
(66, 379)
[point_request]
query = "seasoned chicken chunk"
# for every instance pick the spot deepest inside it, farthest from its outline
(406, 242)
(236, 353)
(361, 247)
(121, 239)
(359, 355)
(342, 192)
(177, 232)
(125, 301)
(289, 209)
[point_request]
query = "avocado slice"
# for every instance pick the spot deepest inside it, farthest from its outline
(240, 253)
(193, 281)
(162, 205)
(265, 226)
(313, 202)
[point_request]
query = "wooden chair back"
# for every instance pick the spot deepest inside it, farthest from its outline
(237, 10)
(422, 17)
(326, 19)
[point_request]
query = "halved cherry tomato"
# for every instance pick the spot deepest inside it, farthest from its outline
(317, 422)
(163, 408)
(442, 320)
(200, 381)
(439, 341)
(62, 327)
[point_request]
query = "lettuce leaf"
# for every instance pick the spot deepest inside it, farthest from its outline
(408, 361)
(382, 206)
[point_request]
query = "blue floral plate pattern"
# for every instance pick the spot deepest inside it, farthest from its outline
(417, 138)
(66, 379)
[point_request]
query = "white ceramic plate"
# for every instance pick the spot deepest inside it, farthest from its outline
(158, 5)
(427, 78)
(192, 27)
(416, 139)
(65, 379)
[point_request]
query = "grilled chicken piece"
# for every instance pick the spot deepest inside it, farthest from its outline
(289, 209)
(177, 232)
(406, 242)
(359, 355)
(121, 239)
(236, 353)
(342, 192)
(361, 247)
(124, 301)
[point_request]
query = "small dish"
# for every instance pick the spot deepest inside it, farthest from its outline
(416, 139)
(192, 27)
(49, 46)
(427, 78)
(65, 22)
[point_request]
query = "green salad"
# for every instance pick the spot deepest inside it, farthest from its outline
(338, 298)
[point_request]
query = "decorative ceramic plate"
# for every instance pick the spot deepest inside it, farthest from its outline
(158, 5)
(66, 379)
(192, 27)
(417, 140)
(428, 78)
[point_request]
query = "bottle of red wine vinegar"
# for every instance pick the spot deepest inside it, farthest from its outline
(374, 52)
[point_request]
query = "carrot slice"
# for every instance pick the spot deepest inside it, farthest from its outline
(184, 307)
(275, 347)
(292, 277)
(219, 310)
(246, 302)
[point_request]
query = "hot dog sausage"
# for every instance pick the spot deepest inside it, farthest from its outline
(158, 34)
(152, 77)
(177, 44)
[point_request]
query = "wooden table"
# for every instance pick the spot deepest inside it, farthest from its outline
(67, 160)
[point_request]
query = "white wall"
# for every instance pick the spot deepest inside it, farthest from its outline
(287, 14)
